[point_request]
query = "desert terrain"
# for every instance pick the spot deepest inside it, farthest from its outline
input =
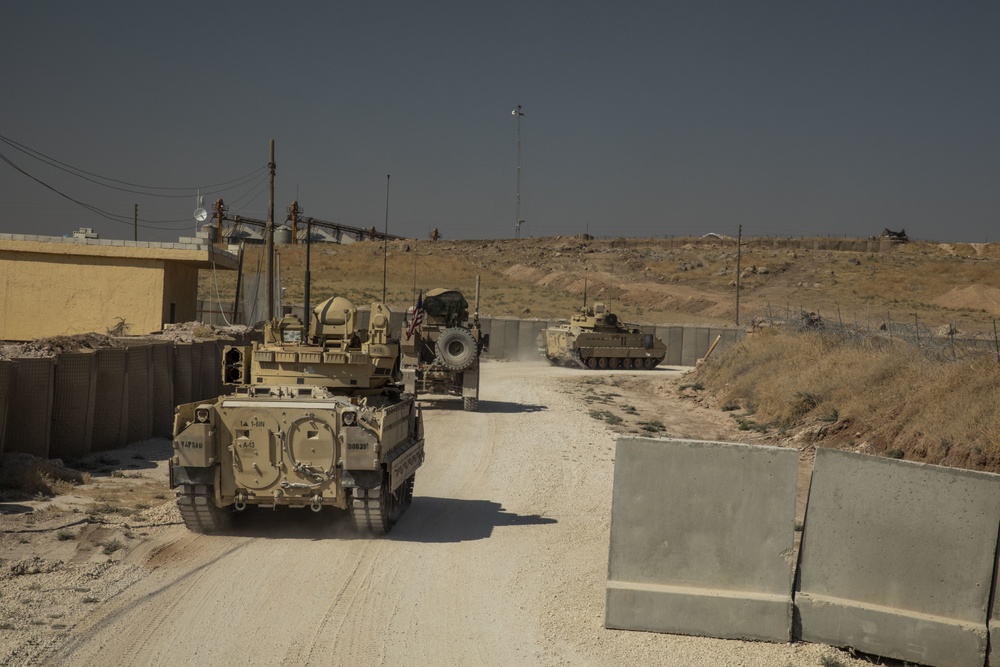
(656, 281)
(502, 558)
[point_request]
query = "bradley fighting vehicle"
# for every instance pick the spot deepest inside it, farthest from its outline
(316, 419)
(441, 352)
(596, 338)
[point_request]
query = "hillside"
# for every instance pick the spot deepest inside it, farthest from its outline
(656, 280)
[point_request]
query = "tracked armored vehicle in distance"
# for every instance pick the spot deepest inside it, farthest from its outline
(442, 352)
(595, 338)
(317, 419)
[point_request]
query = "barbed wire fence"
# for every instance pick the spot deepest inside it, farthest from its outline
(884, 332)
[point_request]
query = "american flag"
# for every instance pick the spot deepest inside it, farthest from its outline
(416, 316)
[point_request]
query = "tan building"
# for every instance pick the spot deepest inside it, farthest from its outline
(52, 286)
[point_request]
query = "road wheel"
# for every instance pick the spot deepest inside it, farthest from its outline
(592, 362)
(602, 363)
(649, 363)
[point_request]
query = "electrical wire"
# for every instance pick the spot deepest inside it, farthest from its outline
(79, 173)
(125, 219)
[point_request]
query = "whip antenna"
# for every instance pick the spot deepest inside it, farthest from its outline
(385, 240)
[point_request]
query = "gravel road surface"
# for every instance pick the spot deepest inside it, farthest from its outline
(501, 560)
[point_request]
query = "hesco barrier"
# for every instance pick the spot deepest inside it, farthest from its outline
(702, 537)
(79, 402)
(73, 399)
(29, 409)
(898, 559)
(6, 375)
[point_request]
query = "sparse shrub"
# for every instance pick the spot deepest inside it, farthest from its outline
(111, 546)
(65, 535)
(90, 599)
(895, 453)
(612, 418)
(730, 406)
(830, 416)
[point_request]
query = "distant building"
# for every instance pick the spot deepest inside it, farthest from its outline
(85, 233)
(53, 286)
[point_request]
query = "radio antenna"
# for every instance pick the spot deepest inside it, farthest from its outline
(385, 240)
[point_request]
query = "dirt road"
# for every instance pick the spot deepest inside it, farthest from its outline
(501, 560)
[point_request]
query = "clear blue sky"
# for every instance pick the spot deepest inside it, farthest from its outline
(641, 118)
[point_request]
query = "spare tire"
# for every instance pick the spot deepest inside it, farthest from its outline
(456, 348)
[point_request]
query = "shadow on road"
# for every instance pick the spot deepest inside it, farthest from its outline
(433, 520)
(429, 520)
(486, 407)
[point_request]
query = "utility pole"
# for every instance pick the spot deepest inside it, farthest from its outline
(135, 221)
(293, 213)
(517, 206)
(269, 237)
(739, 248)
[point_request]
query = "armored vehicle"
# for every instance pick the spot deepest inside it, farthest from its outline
(596, 338)
(316, 418)
(442, 347)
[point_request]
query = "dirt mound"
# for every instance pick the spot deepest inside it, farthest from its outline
(974, 297)
(50, 347)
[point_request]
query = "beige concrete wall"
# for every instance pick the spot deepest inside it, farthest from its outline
(53, 286)
(48, 295)
(180, 287)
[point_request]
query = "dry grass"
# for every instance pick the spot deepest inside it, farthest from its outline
(896, 401)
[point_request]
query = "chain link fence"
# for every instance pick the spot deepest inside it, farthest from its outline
(941, 342)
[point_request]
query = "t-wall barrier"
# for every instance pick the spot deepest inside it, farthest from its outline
(702, 537)
(897, 559)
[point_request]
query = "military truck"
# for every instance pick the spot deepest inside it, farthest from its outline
(442, 347)
(596, 338)
(316, 418)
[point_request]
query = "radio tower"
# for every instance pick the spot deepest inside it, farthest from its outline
(517, 205)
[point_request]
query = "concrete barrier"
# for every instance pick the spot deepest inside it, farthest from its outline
(897, 558)
(511, 339)
(498, 338)
(29, 410)
(110, 416)
(702, 536)
(73, 397)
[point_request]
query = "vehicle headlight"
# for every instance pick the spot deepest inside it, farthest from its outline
(201, 415)
(350, 418)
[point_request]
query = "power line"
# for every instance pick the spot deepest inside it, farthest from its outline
(82, 173)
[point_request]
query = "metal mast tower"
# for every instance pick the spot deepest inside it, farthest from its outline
(517, 206)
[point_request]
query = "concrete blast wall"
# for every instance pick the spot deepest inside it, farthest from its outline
(702, 537)
(898, 558)
(512, 339)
